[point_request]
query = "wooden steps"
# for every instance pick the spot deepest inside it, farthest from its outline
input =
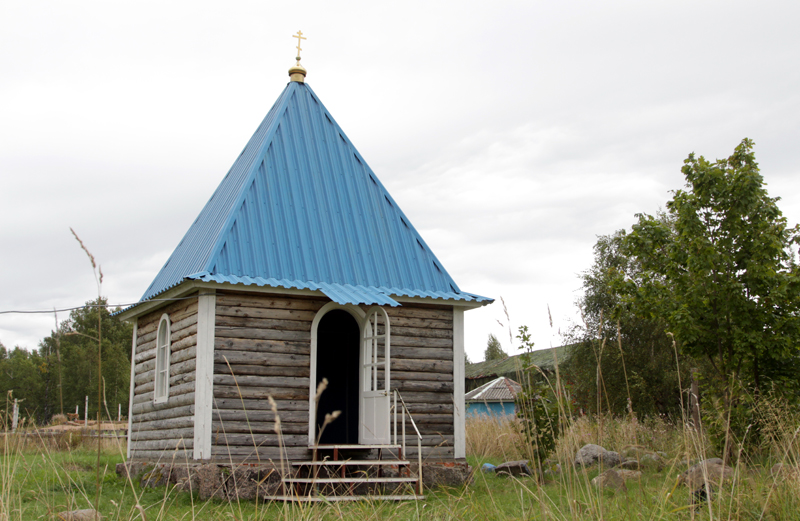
(345, 478)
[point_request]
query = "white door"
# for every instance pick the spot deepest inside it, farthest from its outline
(374, 379)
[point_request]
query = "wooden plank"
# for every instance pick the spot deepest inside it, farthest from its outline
(422, 397)
(409, 375)
(163, 456)
(290, 440)
(258, 301)
(414, 341)
(164, 425)
(186, 433)
(427, 366)
(404, 386)
(264, 323)
(429, 418)
(261, 405)
(256, 427)
(266, 313)
(260, 370)
(435, 428)
(173, 401)
(261, 381)
(261, 455)
(222, 356)
(263, 334)
(174, 369)
(269, 346)
(430, 408)
(422, 323)
(166, 444)
(420, 332)
(257, 393)
(422, 353)
(173, 392)
(174, 382)
(415, 311)
(228, 415)
(175, 412)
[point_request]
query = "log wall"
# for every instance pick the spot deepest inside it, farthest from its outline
(161, 431)
(262, 348)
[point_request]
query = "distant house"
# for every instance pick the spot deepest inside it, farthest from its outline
(495, 398)
(512, 367)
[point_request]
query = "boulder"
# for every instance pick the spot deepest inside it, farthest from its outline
(590, 454)
(132, 469)
(209, 482)
(88, 514)
(610, 479)
(444, 474)
(514, 468)
(711, 469)
(629, 464)
(628, 474)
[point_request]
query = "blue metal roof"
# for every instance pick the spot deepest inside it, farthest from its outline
(300, 208)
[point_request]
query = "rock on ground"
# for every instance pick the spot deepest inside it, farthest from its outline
(590, 454)
(514, 468)
(711, 469)
(610, 479)
(88, 514)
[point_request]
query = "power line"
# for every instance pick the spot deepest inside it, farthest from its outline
(34, 312)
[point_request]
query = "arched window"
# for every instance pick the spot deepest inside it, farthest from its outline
(162, 361)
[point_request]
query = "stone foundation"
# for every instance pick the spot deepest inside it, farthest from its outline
(231, 482)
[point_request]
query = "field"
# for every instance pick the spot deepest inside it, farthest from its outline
(43, 478)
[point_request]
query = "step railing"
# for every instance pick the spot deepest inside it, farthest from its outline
(403, 411)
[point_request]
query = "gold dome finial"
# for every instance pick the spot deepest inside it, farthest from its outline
(298, 72)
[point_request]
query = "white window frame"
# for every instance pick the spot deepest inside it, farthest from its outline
(161, 387)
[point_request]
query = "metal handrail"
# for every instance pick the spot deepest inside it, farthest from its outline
(404, 410)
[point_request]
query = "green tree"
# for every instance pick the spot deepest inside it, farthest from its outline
(78, 350)
(723, 275)
(494, 351)
(21, 374)
(637, 362)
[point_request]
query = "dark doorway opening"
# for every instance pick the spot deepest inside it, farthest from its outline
(338, 348)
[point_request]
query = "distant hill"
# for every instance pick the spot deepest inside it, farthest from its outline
(483, 372)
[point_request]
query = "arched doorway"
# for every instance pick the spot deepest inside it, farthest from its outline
(337, 359)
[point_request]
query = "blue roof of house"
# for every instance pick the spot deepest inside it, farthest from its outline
(300, 208)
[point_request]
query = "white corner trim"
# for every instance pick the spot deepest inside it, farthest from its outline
(204, 381)
(459, 423)
(133, 375)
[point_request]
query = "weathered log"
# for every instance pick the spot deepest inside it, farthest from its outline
(261, 381)
(261, 454)
(261, 405)
(174, 369)
(266, 313)
(143, 354)
(257, 301)
(427, 366)
(421, 353)
(408, 375)
(147, 406)
(265, 323)
(176, 311)
(164, 443)
(164, 425)
(424, 323)
(173, 392)
(290, 440)
(269, 346)
(254, 427)
(430, 408)
(162, 456)
(417, 397)
(277, 393)
(405, 386)
(175, 412)
(260, 370)
(227, 415)
(222, 356)
(175, 336)
(414, 311)
(183, 344)
(174, 381)
(262, 334)
(186, 433)
(416, 341)
(421, 332)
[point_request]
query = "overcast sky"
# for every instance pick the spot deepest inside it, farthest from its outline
(511, 133)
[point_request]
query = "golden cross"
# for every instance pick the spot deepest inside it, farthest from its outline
(299, 37)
